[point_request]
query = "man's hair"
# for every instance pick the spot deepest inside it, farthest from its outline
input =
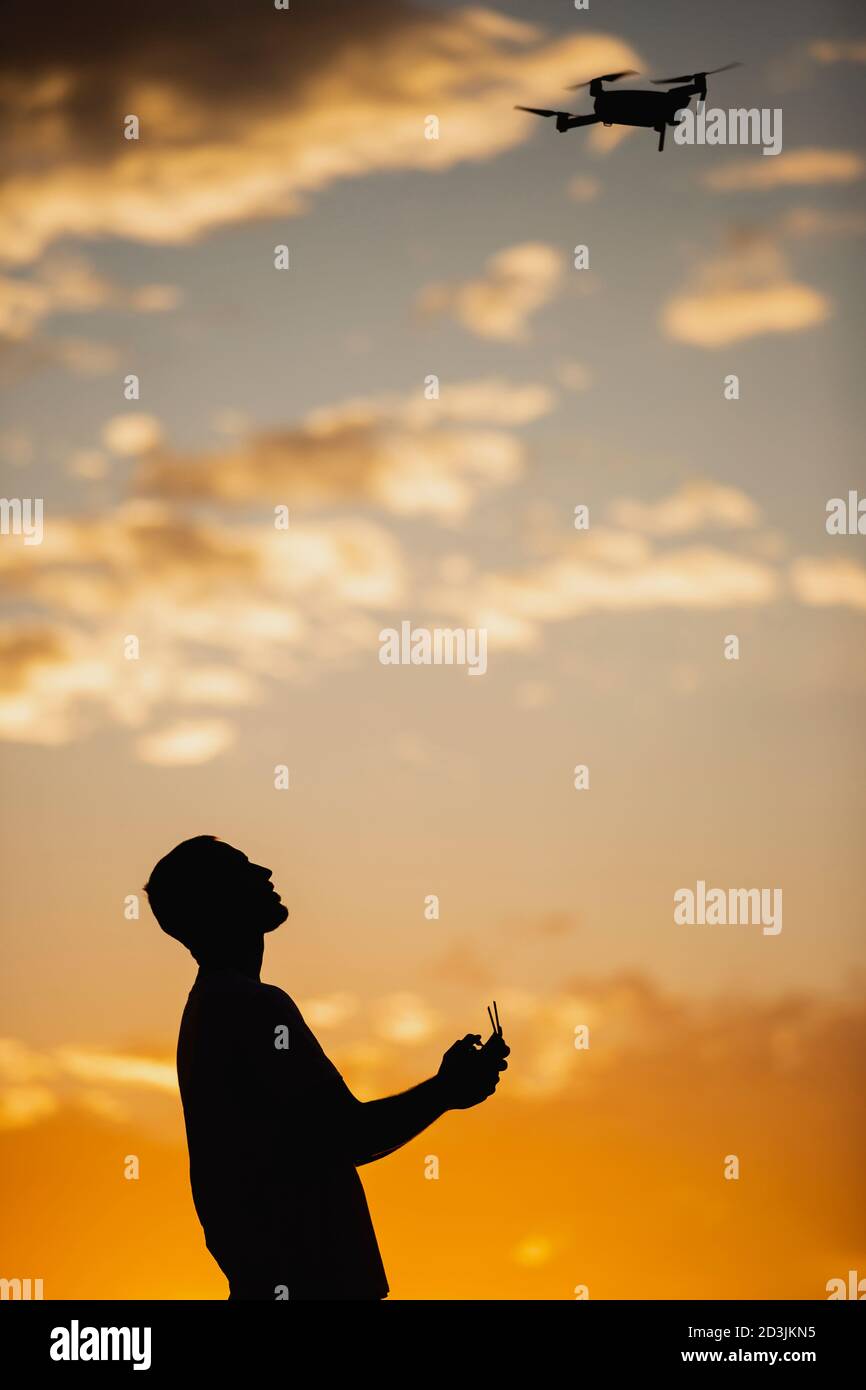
(174, 889)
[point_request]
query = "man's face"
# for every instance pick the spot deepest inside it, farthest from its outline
(245, 891)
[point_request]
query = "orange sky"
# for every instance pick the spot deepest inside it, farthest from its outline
(610, 1175)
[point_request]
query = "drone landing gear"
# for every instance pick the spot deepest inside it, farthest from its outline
(661, 131)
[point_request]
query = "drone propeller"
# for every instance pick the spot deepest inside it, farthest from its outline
(692, 76)
(606, 77)
(540, 111)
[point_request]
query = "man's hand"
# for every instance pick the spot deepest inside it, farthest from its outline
(470, 1073)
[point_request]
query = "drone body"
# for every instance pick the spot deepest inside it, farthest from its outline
(632, 106)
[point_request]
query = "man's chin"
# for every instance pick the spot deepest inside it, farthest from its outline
(279, 916)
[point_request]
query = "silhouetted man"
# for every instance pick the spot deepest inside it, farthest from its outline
(275, 1135)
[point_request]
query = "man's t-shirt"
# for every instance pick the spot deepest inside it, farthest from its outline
(268, 1119)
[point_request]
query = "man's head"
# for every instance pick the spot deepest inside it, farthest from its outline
(210, 897)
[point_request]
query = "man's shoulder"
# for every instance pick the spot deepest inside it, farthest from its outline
(274, 992)
(229, 989)
(211, 986)
(237, 1011)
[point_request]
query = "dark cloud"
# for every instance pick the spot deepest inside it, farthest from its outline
(25, 648)
(81, 64)
(247, 111)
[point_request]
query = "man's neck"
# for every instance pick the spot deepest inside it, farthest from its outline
(247, 963)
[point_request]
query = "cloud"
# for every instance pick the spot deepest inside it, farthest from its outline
(517, 282)
(265, 112)
(401, 454)
(21, 1064)
(81, 356)
(794, 68)
(603, 140)
(745, 292)
(628, 1014)
(695, 506)
(87, 463)
(64, 284)
(22, 1106)
(145, 553)
(789, 169)
(408, 473)
(583, 188)
(222, 687)
(219, 611)
(26, 649)
(41, 675)
(490, 400)
(22, 357)
(132, 434)
(608, 572)
(67, 284)
(838, 50)
(405, 1019)
(807, 224)
(830, 583)
(330, 1010)
(629, 1017)
(574, 376)
(715, 318)
(185, 744)
(118, 1069)
(35, 1083)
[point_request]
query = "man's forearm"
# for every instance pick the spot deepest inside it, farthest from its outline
(381, 1126)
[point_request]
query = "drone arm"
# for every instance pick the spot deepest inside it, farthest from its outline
(564, 119)
(567, 122)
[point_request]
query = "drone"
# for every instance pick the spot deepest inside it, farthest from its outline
(635, 106)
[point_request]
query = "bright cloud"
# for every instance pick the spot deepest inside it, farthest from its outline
(132, 434)
(823, 583)
(185, 744)
(616, 572)
(745, 292)
(696, 505)
(713, 319)
(411, 456)
(791, 168)
(271, 603)
(517, 282)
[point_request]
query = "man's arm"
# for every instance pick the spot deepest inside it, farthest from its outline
(467, 1076)
(325, 1117)
(378, 1127)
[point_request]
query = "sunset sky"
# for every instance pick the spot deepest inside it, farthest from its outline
(305, 388)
